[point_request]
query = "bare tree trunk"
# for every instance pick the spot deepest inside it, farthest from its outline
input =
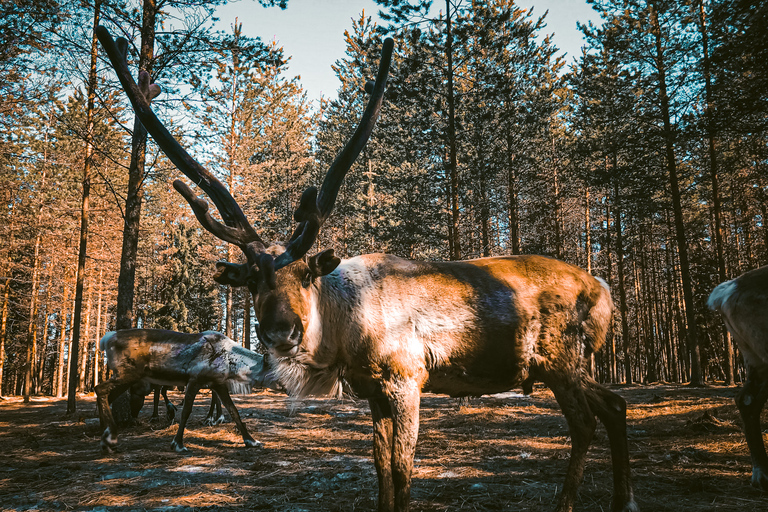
(44, 349)
(62, 339)
(587, 232)
(247, 322)
(4, 328)
(621, 275)
(558, 214)
(682, 243)
(29, 370)
(84, 214)
(127, 278)
(514, 219)
(81, 385)
(713, 172)
(97, 336)
(609, 267)
(452, 158)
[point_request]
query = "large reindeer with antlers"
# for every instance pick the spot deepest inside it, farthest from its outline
(390, 328)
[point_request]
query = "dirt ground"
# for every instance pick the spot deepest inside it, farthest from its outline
(502, 452)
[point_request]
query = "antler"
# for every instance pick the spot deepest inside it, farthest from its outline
(313, 208)
(237, 230)
(304, 236)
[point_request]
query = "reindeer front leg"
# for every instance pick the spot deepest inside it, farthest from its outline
(223, 393)
(750, 401)
(405, 415)
(395, 432)
(215, 416)
(189, 400)
(382, 451)
(106, 392)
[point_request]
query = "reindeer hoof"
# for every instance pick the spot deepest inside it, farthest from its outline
(214, 421)
(252, 443)
(178, 447)
(170, 411)
(759, 478)
(108, 444)
(630, 506)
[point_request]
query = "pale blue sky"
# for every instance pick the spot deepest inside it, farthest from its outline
(312, 31)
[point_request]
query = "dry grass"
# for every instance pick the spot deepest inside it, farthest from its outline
(487, 454)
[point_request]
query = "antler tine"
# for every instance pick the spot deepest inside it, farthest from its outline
(237, 230)
(344, 160)
(312, 214)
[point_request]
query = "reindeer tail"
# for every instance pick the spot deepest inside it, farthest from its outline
(598, 320)
(720, 295)
(105, 340)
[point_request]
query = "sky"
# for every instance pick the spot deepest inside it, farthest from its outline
(312, 31)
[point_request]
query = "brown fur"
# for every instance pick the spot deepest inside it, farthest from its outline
(170, 358)
(390, 328)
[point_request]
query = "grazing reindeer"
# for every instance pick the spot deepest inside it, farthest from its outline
(743, 303)
(172, 358)
(390, 327)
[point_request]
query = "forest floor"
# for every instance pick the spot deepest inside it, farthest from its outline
(501, 452)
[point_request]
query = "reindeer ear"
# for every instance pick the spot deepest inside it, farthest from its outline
(233, 274)
(323, 263)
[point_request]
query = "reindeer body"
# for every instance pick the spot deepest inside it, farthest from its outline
(169, 358)
(743, 304)
(458, 328)
(392, 328)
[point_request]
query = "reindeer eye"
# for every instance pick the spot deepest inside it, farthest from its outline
(307, 280)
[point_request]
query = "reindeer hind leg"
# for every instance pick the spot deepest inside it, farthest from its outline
(170, 409)
(223, 393)
(581, 426)
(383, 437)
(750, 401)
(215, 416)
(611, 409)
(106, 392)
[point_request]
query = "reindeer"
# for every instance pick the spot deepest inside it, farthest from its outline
(172, 358)
(743, 303)
(390, 328)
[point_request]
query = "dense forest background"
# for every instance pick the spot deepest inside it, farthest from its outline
(645, 163)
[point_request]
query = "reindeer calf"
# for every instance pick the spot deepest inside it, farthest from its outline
(169, 358)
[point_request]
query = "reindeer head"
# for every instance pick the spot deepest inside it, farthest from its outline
(278, 275)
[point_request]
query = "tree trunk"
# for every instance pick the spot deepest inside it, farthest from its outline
(4, 328)
(587, 232)
(62, 338)
(29, 370)
(85, 346)
(452, 158)
(127, 279)
(97, 336)
(621, 274)
(613, 370)
(713, 172)
(558, 214)
(84, 214)
(514, 218)
(247, 322)
(682, 243)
